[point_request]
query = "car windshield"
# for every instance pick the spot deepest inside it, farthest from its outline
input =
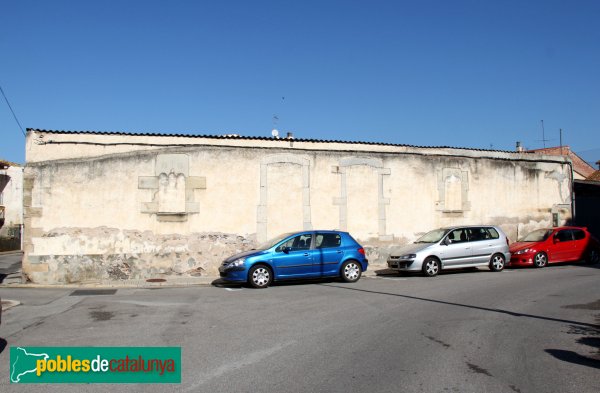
(270, 243)
(537, 236)
(433, 236)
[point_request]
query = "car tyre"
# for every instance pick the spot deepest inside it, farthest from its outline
(497, 262)
(431, 267)
(540, 260)
(593, 256)
(260, 276)
(350, 271)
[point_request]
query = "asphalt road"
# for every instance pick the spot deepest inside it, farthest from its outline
(10, 263)
(522, 330)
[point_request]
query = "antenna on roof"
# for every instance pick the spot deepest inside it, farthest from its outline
(561, 145)
(274, 132)
(543, 134)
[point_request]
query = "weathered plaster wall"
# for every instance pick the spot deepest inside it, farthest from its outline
(122, 207)
(12, 198)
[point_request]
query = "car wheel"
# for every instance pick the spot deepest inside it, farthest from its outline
(593, 256)
(497, 263)
(431, 267)
(540, 259)
(351, 271)
(260, 276)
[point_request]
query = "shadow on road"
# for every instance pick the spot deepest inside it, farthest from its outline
(495, 310)
(3, 344)
(574, 357)
(590, 339)
(220, 283)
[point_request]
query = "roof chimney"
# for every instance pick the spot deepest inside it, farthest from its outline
(290, 135)
(520, 147)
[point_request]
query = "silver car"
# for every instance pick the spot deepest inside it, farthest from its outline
(453, 248)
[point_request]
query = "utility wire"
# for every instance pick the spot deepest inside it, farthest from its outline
(13, 112)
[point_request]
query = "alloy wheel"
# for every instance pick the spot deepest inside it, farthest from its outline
(497, 263)
(261, 277)
(540, 259)
(351, 271)
(431, 267)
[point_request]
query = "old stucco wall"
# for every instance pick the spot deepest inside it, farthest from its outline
(120, 207)
(12, 198)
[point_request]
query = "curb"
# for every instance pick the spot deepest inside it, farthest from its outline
(6, 304)
(172, 283)
(143, 283)
(11, 252)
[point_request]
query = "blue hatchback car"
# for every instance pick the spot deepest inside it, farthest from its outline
(307, 254)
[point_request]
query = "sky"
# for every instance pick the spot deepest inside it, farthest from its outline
(464, 73)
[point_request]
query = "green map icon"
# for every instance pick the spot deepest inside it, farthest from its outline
(23, 363)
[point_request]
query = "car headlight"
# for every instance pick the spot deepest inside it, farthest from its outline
(408, 256)
(237, 263)
(523, 251)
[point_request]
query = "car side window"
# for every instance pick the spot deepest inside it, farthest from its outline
(328, 240)
(300, 242)
(564, 235)
(458, 236)
(578, 234)
(476, 234)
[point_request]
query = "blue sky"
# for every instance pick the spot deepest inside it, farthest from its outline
(480, 74)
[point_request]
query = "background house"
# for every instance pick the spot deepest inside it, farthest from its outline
(581, 169)
(11, 205)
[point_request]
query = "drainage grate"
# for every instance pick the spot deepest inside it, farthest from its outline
(93, 292)
(156, 280)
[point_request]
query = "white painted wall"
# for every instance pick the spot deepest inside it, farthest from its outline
(12, 198)
(87, 198)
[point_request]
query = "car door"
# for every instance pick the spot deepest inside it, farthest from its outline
(455, 249)
(484, 243)
(294, 257)
(580, 241)
(561, 246)
(328, 253)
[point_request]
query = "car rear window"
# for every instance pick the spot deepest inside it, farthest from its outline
(578, 234)
(476, 234)
(493, 233)
(328, 240)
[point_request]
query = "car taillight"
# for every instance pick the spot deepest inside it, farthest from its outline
(361, 251)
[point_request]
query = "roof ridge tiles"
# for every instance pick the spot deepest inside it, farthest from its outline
(230, 136)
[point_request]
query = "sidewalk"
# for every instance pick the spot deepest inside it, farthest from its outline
(168, 282)
(11, 252)
(10, 275)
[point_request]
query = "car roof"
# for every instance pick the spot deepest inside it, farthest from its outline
(316, 230)
(568, 227)
(469, 226)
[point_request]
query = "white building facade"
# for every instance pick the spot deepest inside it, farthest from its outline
(11, 205)
(136, 206)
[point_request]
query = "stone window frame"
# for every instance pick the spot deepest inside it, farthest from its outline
(342, 201)
(261, 214)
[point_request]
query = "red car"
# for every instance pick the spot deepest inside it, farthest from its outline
(562, 244)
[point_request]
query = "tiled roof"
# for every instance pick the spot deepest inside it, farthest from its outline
(234, 136)
(5, 164)
(579, 165)
(594, 176)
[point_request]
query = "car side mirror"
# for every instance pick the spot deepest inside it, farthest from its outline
(447, 241)
(286, 249)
